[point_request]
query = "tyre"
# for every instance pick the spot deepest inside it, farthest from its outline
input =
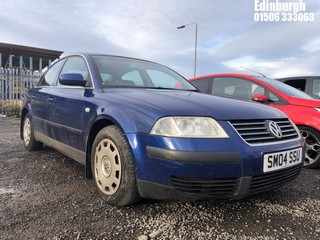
(113, 167)
(312, 139)
(30, 143)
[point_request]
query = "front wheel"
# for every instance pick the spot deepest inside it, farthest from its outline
(30, 143)
(312, 139)
(113, 167)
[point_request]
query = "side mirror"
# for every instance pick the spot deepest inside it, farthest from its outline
(260, 98)
(72, 79)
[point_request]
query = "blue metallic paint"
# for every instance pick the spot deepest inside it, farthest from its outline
(66, 114)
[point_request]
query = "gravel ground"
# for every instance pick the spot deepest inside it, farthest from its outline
(45, 195)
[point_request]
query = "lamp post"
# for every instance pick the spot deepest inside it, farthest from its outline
(195, 45)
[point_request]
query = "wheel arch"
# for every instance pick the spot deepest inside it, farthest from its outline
(307, 126)
(312, 145)
(98, 124)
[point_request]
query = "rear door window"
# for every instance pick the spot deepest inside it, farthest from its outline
(316, 88)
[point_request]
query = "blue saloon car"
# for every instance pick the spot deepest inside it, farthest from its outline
(143, 131)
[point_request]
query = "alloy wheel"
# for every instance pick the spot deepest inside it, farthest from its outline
(312, 147)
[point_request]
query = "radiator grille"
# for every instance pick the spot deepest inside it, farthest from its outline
(258, 132)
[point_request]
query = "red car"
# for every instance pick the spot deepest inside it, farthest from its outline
(301, 108)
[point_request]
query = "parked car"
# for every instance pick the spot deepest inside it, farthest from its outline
(301, 108)
(143, 131)
(308, 84)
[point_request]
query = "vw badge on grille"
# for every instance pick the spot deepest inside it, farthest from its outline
(275, 129)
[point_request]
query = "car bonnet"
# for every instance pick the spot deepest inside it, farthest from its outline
(189, 103)
(304, 102)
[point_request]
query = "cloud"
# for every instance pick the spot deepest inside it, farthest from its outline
(277, 68)
(227, 33)
(312, 46)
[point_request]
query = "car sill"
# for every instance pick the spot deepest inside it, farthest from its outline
(71, 152)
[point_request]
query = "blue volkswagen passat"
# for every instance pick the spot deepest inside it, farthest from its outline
(143, 131)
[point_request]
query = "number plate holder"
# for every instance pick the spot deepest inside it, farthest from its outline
(279, 160)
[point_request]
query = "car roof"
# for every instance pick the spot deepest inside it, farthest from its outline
(226, 74)
(298, 77)
(89, 54)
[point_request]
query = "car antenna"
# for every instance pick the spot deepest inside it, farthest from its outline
(253, 71)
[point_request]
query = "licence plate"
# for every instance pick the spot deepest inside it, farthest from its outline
(279, 160)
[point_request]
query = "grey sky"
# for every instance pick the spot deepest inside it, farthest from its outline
(228, 36)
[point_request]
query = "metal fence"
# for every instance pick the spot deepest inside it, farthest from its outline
(13, 85)
(14, 82)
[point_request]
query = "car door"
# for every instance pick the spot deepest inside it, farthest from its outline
(235, 87)
(245, 89)
(315, 92)
(67, 113)
(39, 102)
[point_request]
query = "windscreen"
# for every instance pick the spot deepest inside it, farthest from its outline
(133, 73)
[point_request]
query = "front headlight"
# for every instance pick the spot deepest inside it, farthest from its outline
(192, 127)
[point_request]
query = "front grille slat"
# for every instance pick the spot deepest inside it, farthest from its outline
(257, 132)
(251, 139)
(207, 188)
(202, 189)
(291, 135)
(273, 180)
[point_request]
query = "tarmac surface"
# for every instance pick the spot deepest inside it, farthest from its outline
(45, 195)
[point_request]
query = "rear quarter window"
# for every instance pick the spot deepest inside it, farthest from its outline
(202, 84)
(297, 83)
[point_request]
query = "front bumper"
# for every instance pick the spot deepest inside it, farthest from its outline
(194, 157)
(191, 189)
(205, 169)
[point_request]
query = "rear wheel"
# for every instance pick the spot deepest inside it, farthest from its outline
(113, 167)
(312, 139)
(30, 143)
